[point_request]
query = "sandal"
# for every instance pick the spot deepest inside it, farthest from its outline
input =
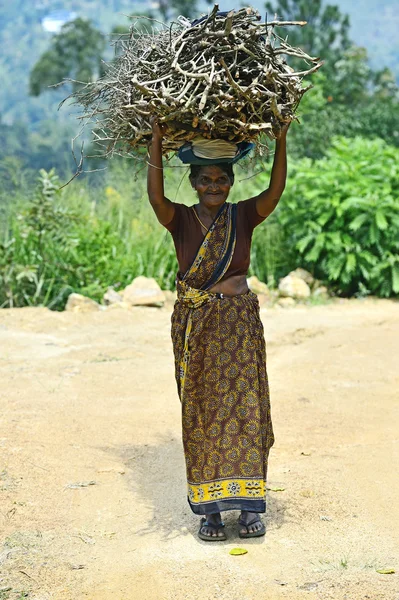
(251, 534)
(211, 538)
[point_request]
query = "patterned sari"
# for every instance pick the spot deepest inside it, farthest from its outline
(220, 361)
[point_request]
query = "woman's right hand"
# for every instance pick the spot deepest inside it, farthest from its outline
(158, 129)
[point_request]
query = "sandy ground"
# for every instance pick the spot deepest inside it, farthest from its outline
(91, 398)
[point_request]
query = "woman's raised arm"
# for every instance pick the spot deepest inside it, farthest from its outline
(268, 200)
(163, 207)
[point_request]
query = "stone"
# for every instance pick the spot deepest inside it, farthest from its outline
(118, 305)
(321, 292)
(143, 291)
(170, 297)
(257, 287)
(78, 303)
(111, 297)
(263, 299)
(286, 302)
(294, 287)
(303, 274)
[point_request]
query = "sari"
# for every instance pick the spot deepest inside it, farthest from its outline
(220, 368)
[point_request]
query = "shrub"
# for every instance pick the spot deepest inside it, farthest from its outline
(340, 215)
(61, 242)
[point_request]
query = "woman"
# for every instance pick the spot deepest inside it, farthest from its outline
(218, 341)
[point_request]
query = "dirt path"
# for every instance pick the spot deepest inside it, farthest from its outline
(91, 398)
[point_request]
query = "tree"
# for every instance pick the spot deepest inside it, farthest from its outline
(74, 53)
(327, 31)
(187, 8)
(350, 99)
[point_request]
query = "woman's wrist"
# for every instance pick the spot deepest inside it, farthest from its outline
(156, 138)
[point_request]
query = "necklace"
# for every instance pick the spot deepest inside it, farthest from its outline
(201, 223)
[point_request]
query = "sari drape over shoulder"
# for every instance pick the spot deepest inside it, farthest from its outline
(220, 362)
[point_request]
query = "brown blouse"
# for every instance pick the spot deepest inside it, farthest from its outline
(187, 236)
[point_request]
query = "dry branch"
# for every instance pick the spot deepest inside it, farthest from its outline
(223, 77)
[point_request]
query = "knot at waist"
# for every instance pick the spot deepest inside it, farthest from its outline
(192, 297)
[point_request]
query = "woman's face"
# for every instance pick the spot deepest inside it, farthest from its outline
(212, 186)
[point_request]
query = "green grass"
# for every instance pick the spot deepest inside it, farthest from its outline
(88, 237)
(101, 231)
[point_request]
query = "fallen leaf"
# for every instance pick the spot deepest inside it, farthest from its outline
(238, 551)
(386, 571)
(276, 489)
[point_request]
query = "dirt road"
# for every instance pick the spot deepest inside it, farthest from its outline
(92, 480)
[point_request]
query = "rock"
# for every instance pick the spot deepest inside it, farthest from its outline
(170, 297)
(305, 275)
(119, 305)
(111, 297)
(321, 292)
(143, 291)
(294, 287)
(78, 303)
(263, 299)
(257, 287)
(286, 302)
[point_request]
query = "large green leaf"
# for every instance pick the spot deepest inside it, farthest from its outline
(380, 219)
(358, 221)
(351, 263)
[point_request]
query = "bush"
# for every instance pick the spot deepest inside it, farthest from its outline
(340, 215)
(60, 243)
(339, 218)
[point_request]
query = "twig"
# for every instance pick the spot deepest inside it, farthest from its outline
(224, 77)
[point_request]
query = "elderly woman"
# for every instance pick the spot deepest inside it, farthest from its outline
(218, 341)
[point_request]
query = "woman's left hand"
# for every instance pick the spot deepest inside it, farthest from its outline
(282, 131)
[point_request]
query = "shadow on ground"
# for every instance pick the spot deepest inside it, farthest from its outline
(156, 476)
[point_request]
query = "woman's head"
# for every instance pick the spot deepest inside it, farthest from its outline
(212, 183)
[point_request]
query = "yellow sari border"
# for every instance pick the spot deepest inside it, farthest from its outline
(226, 489)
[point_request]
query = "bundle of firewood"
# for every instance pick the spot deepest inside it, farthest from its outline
(224, 76)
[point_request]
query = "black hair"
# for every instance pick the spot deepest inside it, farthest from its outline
(225, 167)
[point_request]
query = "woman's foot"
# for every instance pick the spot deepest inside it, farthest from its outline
(252, 524)
(212, 528)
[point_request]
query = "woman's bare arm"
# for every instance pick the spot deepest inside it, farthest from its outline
(163, 207)
(268, 200)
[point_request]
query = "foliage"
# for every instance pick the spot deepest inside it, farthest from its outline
(74, 53)
(58, 244)
(174, 8)
(323, 117)
(24, 151)
(270, 259)
(349, 97)
(340, 216)
(28, 256)
(327, 31)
